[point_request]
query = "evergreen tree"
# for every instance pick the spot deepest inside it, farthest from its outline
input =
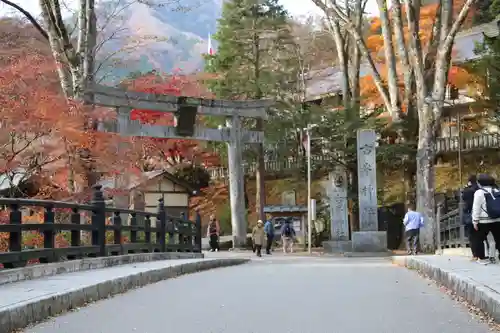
(488, 65)
(252, 61)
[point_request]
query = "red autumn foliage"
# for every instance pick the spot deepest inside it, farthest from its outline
(46, 132)
(169, 152)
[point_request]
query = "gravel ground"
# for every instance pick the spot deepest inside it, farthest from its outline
(280, 295)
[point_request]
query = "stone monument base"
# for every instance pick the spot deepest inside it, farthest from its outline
(369, 241)
(333, 246)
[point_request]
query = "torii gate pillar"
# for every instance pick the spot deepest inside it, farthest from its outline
(239, 222)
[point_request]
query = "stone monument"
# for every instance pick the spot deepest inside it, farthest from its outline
(368, 238)
(336, 189)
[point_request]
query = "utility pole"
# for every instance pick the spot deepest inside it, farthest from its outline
(309, 213)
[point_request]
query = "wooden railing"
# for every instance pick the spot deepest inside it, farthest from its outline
(451, 231)
(168, 234)
(443, 145)
(468, 142)
(272, 166)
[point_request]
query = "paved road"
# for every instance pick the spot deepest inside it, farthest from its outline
(279, 295)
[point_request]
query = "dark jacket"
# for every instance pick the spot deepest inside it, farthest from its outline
(284, 228)
(468, 197)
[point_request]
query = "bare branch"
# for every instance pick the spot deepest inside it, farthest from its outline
(349, 25)
(390, 58)
(28, 16)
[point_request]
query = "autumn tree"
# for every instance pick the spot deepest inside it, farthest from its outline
(41, 130)
(36, 120)
(182, 155)
(419, 62)
(74, 52)
(251, 61)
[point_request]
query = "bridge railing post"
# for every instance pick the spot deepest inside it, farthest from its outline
(161, 223)
(99, 220)
(117, 234)
(197, 239)
(49, 235)
(439, 213)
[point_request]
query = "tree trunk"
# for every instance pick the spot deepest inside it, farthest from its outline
(409, 174)
(426, 154)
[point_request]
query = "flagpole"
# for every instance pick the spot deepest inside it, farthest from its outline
(309, 215)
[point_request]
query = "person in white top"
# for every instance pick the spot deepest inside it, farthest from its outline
(486, 213)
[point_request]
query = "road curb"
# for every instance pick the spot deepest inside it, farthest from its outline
(21, 315)
(479, 295)
(79, 265)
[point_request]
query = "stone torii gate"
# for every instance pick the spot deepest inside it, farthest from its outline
(185, 110)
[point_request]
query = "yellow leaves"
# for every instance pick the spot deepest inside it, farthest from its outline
(428, 12)
(459, 77)
(375, 42)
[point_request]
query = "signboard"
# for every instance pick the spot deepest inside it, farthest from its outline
(288, 198)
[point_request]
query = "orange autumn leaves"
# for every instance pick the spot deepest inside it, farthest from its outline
(458, 76)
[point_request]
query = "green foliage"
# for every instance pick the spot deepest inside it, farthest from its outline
(488, 65)
(252, 51)
(486, 11)
(338, 130)
(224, 216)
(254, 58)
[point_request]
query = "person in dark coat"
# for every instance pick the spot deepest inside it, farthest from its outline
(213, 233)
(467, 203)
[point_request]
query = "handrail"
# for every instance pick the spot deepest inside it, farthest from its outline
(163, 234)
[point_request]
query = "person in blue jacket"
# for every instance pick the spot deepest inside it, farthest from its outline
(269, 230)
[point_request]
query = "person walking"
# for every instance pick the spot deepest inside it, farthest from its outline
(287, 236)
(213, 233)
(413, 221)
(468, 200)
(269, 230)
(486, 214)
(258, 236)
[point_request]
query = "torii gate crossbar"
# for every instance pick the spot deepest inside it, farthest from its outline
(125, 101)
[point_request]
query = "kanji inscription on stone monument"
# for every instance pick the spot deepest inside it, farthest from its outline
(338, 205)
(367, 180)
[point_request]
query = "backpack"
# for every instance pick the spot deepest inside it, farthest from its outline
(492, 203)
(288, 230)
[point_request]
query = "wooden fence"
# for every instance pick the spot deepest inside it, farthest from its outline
(450, 232)
(443, 145)
(169, 234)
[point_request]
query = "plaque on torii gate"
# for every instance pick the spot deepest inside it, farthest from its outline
(185, 110)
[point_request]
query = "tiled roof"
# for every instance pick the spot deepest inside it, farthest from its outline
(285, 209)
(110, 184)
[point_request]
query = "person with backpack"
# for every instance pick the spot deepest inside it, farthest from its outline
(486, 214)
(287, 236)
(213, 232)
(467, 202)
